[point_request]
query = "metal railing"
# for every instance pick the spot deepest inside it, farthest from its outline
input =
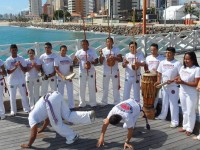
(182, 41)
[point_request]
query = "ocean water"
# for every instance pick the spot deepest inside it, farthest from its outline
(9, 35)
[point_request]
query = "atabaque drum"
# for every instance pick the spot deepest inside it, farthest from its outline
(149, 91)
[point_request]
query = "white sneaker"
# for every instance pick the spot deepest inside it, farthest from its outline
(12, 114)
(92, 115)
(173, 126)
(76, 137)
(3, 117)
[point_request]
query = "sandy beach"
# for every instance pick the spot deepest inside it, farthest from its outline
(4, 23)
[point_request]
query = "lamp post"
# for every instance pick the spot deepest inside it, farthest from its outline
(165, 13)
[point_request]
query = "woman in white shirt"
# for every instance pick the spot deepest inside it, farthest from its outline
(32, 78)
(188, 80)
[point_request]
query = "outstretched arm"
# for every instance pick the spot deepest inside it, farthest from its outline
(129, 136)
(103, 131)
(44, 126)
(32, 137)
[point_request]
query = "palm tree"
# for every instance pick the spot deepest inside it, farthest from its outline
(190, 10)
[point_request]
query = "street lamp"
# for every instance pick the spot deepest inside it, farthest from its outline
(165, 13)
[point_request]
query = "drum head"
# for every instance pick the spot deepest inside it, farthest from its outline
(69, 77)
(149, 74)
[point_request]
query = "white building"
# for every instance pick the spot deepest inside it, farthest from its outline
(35, 7)
(174, 12)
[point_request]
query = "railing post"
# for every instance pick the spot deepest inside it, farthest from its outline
(172, 39)
(37, 49)
(194, 40)
(144, 44)
(78, 44)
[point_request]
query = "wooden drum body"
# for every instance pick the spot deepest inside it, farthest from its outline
(149, 93)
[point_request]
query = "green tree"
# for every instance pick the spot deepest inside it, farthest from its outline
(59, 14)
(45, 17)
(190, 10)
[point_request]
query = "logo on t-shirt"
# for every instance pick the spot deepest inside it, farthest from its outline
(168, 66)
(13, 63)
(64, 62)
(126, 107)
(48, 60)
(185, 73)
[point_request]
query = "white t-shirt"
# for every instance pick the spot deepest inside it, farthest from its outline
(106, 53)
(47, 62)
(169, 70)
(17, 77)
(33, 72)
(63, 63)
(39, 113)
(91, 56)
(188, 75)
(131, 59)
(1, 64)
(153, 62)
(129, 110)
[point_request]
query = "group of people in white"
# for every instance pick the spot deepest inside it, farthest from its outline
(24, 75)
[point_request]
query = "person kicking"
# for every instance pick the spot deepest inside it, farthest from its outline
(52, 109)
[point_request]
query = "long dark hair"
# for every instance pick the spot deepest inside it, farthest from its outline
(193, 57)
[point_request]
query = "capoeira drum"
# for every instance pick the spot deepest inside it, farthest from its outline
(149, 93)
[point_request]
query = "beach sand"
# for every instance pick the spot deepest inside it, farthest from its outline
(4, 23)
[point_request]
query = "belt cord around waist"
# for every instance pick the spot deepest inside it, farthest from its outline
(51, 108)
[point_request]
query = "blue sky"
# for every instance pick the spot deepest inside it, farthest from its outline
(13, 6)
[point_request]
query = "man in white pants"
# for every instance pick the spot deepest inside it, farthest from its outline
(110, 52)
(2, 84)
(87, 58)
(48, 71)
(51, 109)
(168, 71)
(132, 74)
(152, 62)
(64, 66)
(16, 67)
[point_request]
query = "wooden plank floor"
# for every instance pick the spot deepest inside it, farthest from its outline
(15, 130)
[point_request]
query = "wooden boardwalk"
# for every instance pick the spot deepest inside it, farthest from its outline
(15, 130)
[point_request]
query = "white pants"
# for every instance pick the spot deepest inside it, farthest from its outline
(115, 83)
(2, 108)
(33, 87)
(61, 111)
(159, 93)
(22, 90)
(128, 84)
(49, 82)
(69, 86)
(188, 104)
(90, 79)
(170, 98)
